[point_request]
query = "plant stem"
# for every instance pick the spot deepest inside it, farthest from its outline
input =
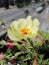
(34, 62)
(2, 62)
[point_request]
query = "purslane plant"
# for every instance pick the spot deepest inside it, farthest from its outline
(24, 44)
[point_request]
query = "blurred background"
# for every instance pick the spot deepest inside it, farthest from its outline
(19, 3)
(15, 9)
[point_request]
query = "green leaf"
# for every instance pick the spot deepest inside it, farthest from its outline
(29, 56)
(24, 63)
(41, 56)
(30, 41)
(2, 62)
(19, 46)
(8, 51)
(1, 21)
(28, 46)
(46, 61)
(8, 56)
(18, 53)
(44, 34)
(2, 42)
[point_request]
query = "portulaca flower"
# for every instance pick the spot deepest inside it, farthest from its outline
(23, 29)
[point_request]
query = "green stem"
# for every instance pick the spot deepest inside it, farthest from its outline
(2, 62)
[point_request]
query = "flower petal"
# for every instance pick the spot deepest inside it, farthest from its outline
(23, 28)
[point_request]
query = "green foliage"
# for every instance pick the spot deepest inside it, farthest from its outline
(2, 42)
(42, 61)
(21, 3)
(2, 22)
(44, 34)
(24, 63)
(25, 51)
(19, 46)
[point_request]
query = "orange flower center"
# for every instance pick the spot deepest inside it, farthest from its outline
(26, 31)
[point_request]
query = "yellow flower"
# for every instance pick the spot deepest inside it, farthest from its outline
(23, 29)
